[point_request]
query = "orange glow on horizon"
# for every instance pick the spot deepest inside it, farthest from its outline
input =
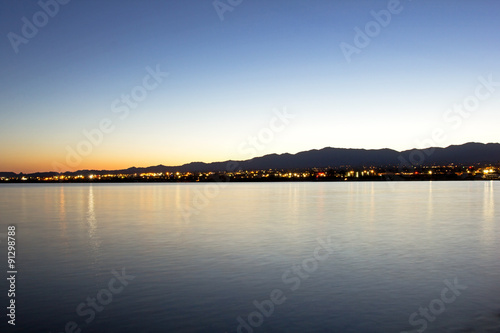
(46, 163)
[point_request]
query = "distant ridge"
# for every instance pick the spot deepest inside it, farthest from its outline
(466, 154)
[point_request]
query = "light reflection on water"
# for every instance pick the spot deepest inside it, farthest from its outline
(395, 244)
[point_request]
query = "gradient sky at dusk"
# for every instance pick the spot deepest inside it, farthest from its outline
(227, 79)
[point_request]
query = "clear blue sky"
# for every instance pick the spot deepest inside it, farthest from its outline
(226, 79)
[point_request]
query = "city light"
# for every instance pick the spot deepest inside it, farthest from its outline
(435, 172)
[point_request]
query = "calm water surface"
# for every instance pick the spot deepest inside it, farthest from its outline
(197, 258)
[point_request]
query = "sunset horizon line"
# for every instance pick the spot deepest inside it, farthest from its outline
(76, 169)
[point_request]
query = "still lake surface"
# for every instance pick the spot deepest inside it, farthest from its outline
(389, 248)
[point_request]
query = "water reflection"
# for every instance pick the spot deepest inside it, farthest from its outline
(62, 206)
(430, 202)
(489, 212)
(94, 240)
(387, 259)
(62, 216)
(489, 201)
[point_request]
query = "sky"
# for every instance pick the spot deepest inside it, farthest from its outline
(114, 84)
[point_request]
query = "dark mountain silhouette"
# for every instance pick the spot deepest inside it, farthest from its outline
(466, 154)
(8, 174)
(469, 153)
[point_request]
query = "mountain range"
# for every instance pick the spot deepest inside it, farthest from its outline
(465, 154)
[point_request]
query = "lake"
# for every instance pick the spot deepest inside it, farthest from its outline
(254, 257)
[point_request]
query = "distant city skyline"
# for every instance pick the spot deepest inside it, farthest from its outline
(92, 85)
(465, 155)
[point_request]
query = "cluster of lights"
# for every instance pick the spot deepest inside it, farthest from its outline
(346, 172)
